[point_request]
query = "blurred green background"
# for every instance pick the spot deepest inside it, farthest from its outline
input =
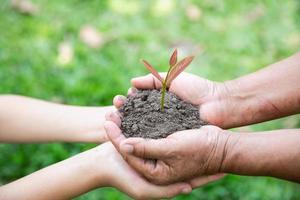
(84, 52)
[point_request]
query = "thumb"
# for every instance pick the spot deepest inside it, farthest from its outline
(146, 148)
(114, 134)
(147, 82)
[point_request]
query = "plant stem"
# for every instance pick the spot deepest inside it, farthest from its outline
(163, 92)
(164, 88)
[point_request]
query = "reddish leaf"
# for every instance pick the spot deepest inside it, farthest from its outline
(173, 58)
(152, 70)
(180, 67)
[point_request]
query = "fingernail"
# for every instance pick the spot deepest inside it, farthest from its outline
(127, 148)
(186, 190)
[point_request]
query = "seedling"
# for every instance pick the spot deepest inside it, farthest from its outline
(175, 68)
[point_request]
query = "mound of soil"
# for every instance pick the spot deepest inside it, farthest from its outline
(142, 116)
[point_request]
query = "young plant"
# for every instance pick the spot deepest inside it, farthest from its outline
(175, 68)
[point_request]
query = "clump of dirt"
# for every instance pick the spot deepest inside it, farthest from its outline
(142, 115)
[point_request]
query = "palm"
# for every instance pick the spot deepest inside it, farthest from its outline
(192, 89)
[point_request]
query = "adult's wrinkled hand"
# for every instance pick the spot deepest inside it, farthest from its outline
(193, 155)
(209, 96)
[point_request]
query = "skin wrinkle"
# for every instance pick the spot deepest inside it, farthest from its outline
(211, 154)
(226, 151)
(213, 89)
(230, 148)
(152, 167)
(165, 167)
(218, 94)
(270, 108)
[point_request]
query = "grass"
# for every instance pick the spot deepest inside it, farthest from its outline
(236, 38)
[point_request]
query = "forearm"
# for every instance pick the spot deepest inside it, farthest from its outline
(272, 153)
(267, 94)
(25, 119)
(63, 180)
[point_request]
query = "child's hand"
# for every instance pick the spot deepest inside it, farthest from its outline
(101, 166)
(31, 120)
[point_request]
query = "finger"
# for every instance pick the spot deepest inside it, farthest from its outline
(146, 148)
(143, 166)
(132, 91)
(146, 82)
(116, 137)
(200, 181)
(119, 101)
(168, 191)
(114, 134)
(114, 117)
(150, 169)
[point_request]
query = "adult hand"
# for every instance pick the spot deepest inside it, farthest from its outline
(208, 95)
(181, 156)
(267, 94)
(115, 172)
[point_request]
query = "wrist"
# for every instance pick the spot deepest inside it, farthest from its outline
(90, 165)
(217, 145)
(217, 108)
(85, 124)
(223, 147)
(101, 164)
(230, 106)
(230, 152)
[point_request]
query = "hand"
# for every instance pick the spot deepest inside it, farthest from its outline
(208, 95)
(181, 156)
(101, 166)
(117, 173)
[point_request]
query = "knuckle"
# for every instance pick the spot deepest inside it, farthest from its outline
(141, 149)
(155, 176)
(172, 153)
(154, 173)
(159, 177)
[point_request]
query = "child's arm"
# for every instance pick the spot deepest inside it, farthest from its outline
(99, 167)
(24, 119)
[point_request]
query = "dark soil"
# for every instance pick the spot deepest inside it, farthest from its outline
(142, 115)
